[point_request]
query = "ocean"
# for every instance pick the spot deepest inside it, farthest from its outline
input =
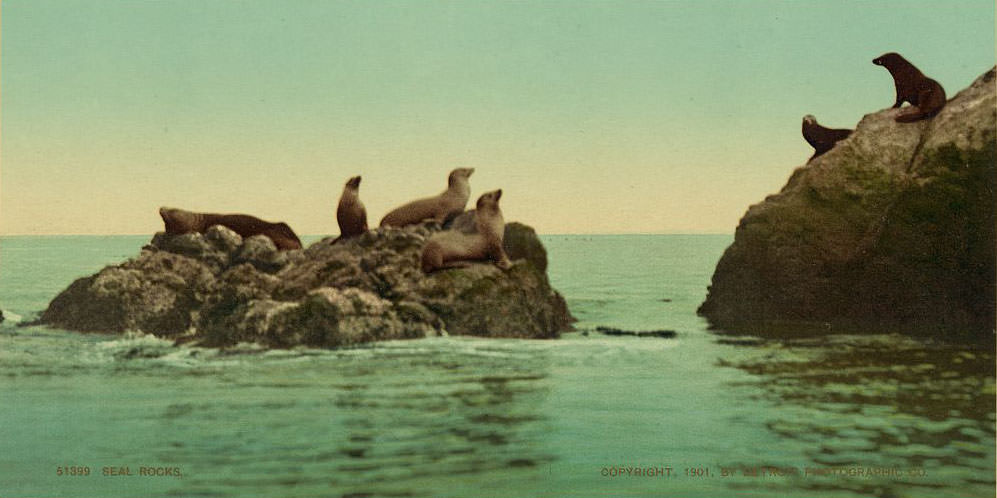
(702, 414)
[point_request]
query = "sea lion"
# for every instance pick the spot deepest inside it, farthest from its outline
(351, 214)
(178, 221)
(924, 93)
(449, 203)
(453, 249)
(820, 138)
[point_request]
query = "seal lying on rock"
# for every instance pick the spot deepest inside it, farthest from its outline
(924, 93)
(820, 138)
(178, 221)
(452, 249)
(449, 203)
(351, 213)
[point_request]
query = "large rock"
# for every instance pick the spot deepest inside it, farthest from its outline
(891, 230)
(217, 289)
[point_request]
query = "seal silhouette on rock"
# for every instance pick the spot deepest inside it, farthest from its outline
(449, 203)
(924, 93)
(351, 213)
(179, 221)
(453, 249)
(820, 138)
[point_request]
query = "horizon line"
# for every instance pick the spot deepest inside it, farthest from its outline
(336, 234)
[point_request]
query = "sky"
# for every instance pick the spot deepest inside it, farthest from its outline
(621, 116)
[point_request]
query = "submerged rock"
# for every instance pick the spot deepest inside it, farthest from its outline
(892, 230)
(217, 289)
(664, 334)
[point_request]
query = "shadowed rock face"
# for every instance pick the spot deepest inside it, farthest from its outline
(892, 230)
(216, 289)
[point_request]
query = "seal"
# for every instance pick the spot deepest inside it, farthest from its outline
(179, 221)
(820, 138)
(453, 249)
(351, 213)
(924, 93)
(449, 203)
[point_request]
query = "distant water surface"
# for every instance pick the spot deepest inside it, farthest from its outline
(585, 415)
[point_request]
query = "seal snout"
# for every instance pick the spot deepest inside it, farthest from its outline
(354, 181)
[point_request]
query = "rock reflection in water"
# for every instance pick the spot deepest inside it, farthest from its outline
(459, 417)
(880, 402)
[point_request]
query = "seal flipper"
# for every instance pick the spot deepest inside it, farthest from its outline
(910, 116)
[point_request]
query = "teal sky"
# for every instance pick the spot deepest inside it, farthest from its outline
(593, 116)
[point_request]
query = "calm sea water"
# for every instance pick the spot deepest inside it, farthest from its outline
(586, 415)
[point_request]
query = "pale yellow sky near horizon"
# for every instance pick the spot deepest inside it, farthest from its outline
(618, 117)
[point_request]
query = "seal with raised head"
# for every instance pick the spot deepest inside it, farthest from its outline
(820, 138)
(453, 249)
(179, 221)
(924, 93)
(351, 214)
(449, 203)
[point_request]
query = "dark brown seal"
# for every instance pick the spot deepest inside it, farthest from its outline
(924, 93)
(449, 203)
(453, 249)
(820, 138)
(178, 221)
(351, 213)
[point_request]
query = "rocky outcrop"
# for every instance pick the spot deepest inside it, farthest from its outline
(891, 230)
(217, 289)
